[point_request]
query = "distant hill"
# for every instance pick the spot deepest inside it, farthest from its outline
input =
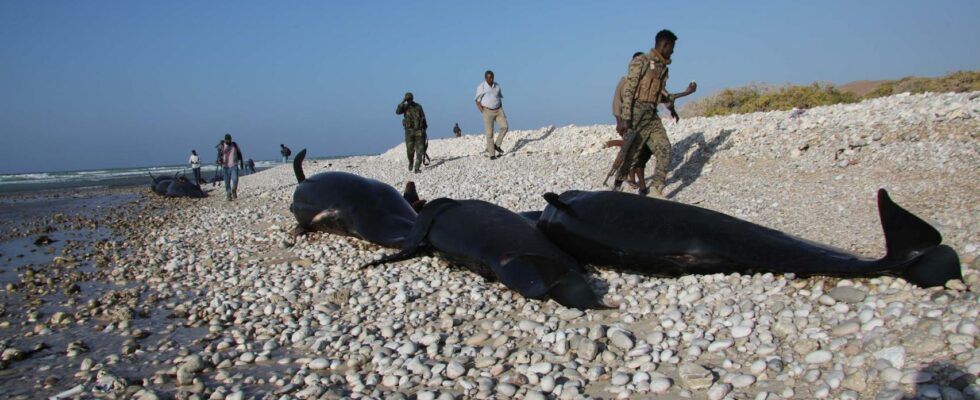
(762, 97)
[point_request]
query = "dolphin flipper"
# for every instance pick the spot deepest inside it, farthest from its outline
(416, 239)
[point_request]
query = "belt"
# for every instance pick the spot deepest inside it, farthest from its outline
(492, 109)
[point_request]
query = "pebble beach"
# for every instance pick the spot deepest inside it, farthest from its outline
(146, 297)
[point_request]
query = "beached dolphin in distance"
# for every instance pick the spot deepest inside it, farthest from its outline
(500, 245)
(161, 183)
(346, 204)
(182, 187)
(176, 186)
(634, 233)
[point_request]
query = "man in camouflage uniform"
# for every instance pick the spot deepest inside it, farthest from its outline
(415, 126)
(644, 89)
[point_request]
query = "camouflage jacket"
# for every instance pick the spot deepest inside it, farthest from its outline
(414, 119)
(645, 82)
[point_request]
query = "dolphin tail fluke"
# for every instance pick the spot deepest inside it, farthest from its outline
(909, 238)
(934, 268)
(298, 166)
(574, 291)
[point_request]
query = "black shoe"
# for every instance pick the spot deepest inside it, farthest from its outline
(417, 170)
(494, 157)
(499, 150)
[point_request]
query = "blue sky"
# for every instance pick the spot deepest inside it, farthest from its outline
(103, 84)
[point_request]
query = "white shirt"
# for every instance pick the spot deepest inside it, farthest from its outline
(489, 96)
(195, 161)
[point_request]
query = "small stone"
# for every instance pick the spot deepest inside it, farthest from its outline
(719, 391)
(620, 338)
(894, 355)
(455, 370)
(847, 294)
(742, 381)
(819, 357)
(318, 364)
(739, 332)
(720, 345)
(659, 385)
(620, 379)
(540, 368)
(694, 376)
(846, 328)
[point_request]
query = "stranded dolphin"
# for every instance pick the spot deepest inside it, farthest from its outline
(161, 184)
(499, 244)
(659, 237)
(182, 187)
(350, 205)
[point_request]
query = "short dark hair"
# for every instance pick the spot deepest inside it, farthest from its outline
(489, 72)
(639, 53)
(666, 34)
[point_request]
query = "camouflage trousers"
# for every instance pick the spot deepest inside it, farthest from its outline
(651, 138)
(416, 145)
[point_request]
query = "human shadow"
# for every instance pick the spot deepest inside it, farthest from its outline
(524, 141)
(690, 170)
(440, 161)
(940, 377)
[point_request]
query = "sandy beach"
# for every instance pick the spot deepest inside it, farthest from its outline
(147, 297)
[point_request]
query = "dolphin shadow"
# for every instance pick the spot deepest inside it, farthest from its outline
(523, 142)
(438, 162)
(690, 170)
(944, 375)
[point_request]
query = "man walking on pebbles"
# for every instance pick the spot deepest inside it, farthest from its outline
(415, 126)
(231, 159)
(644, 89)
(488, 101)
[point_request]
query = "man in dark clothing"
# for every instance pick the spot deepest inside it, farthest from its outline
(456, 131)
(415, 125)
(285, 152)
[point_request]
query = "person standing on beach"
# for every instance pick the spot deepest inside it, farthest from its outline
(456, 131)
(488, 101)
(231, 159)
(285, 152)
(413, 121)
(644, 89)
(617, 109)
(195, 162)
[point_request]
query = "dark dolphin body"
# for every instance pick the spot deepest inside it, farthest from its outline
(161, 184)
(174, 186)
(350, 205)
(182, 187)
(659, 237)
(499, 244)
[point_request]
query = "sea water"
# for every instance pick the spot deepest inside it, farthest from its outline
(101, 178)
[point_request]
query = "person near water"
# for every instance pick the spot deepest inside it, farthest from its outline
(643, 91)
(413, 120)
(231, 160)
(489, 102)
(250, 166)
(195, 162)
(456, 131)
(285, 152)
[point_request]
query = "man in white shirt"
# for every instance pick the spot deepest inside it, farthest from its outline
(488, 101)
(195, 162)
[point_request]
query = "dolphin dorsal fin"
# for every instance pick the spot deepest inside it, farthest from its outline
(298, 166)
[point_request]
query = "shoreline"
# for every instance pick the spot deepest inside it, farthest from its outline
(215, 298)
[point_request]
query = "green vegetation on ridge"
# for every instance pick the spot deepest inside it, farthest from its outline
(760, 97)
